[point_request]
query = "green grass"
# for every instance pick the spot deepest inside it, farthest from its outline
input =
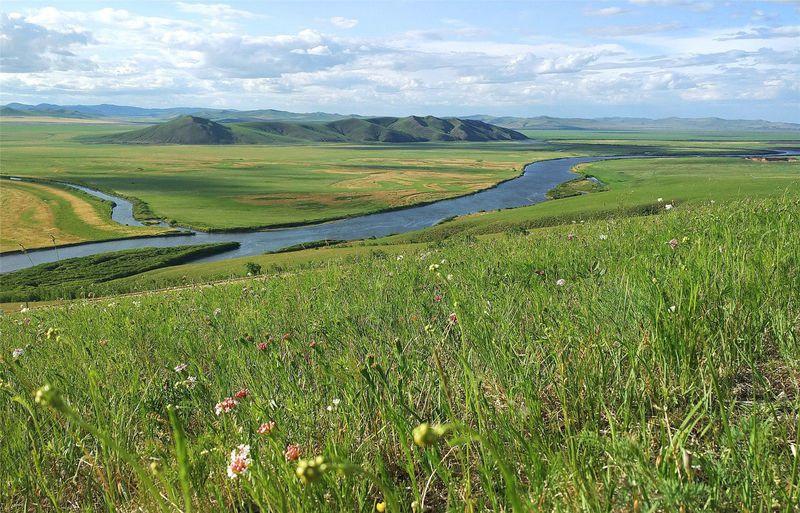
(77, 277)
(656, 378)
(229, 187)
(42, 214)
(633, 188)
(226, 187)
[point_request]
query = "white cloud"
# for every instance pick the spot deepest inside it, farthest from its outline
(223, 11)
(344, 23)
(28, 47)
(605, 11)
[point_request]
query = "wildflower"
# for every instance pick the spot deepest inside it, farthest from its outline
(539, 272)
(292, 452)
(437, 297)
(241, 394)
(452, 318)
(668, 206)
(286, 336)
(380, 507)
(310, 470)
(217, 311)
(180, 367)
(51, 333)
(190, 382)
(312, 344)
(603, 236)
(433, 267)
(672, 309)
(660, 200)
(425, 434)
(24, 309)
(570, 236)
(49, 396)
(561, 282)
(266, 428)
(673, 243)
(262, 346)
(103, 342)
(449, 277)
(240, 461)
(16, 353)
(333, 406)
(226, 405)
(400, 257)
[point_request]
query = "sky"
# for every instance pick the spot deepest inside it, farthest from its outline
(648, 58)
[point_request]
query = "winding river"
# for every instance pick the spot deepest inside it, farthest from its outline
(527, 189)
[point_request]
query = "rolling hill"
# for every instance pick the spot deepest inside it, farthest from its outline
(198, 130)
(143, 114)
(623, 123)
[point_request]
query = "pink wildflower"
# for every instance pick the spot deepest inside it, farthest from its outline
(673, 243)
(225, 406)
(241, 394)
(292, 452)
(570, 236)
(437, 297)
(266, 428)
(452, 318)
(263, 346)
(240, 461)
(561, 282)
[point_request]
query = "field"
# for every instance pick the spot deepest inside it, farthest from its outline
(73, 277)
(632, 188)
(258, 186)
(43, 214)
(661, 374)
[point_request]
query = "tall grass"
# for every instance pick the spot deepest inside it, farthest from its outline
(656, 378)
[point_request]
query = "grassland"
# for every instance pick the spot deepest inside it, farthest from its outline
(42, 214)
(213, 187)
(661, 374)
(632, 187)
(79, 277)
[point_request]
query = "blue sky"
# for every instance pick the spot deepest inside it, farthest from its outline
(652, 58)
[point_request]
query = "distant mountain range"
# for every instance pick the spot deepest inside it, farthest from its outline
(621, 123)
(197, 130)
(106, 111)
(145, 114)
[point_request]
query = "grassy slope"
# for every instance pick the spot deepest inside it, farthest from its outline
(633, 188)
(73, 277)
(198, 130)
(32, 213)
(597, 395)
(246, 186)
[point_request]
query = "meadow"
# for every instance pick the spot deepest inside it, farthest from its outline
(230, 187)
(38, 215)
(627, 364)
(79, 277)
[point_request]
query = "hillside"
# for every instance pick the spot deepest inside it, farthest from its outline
(181, 130)
(197, 130)
(480, 374)
(623, 123)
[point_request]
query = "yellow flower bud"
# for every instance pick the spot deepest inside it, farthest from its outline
(310, 470)
(380, 507)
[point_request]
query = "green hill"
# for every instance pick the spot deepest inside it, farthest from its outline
(181, 130)
(197, 130)
(585, 367)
